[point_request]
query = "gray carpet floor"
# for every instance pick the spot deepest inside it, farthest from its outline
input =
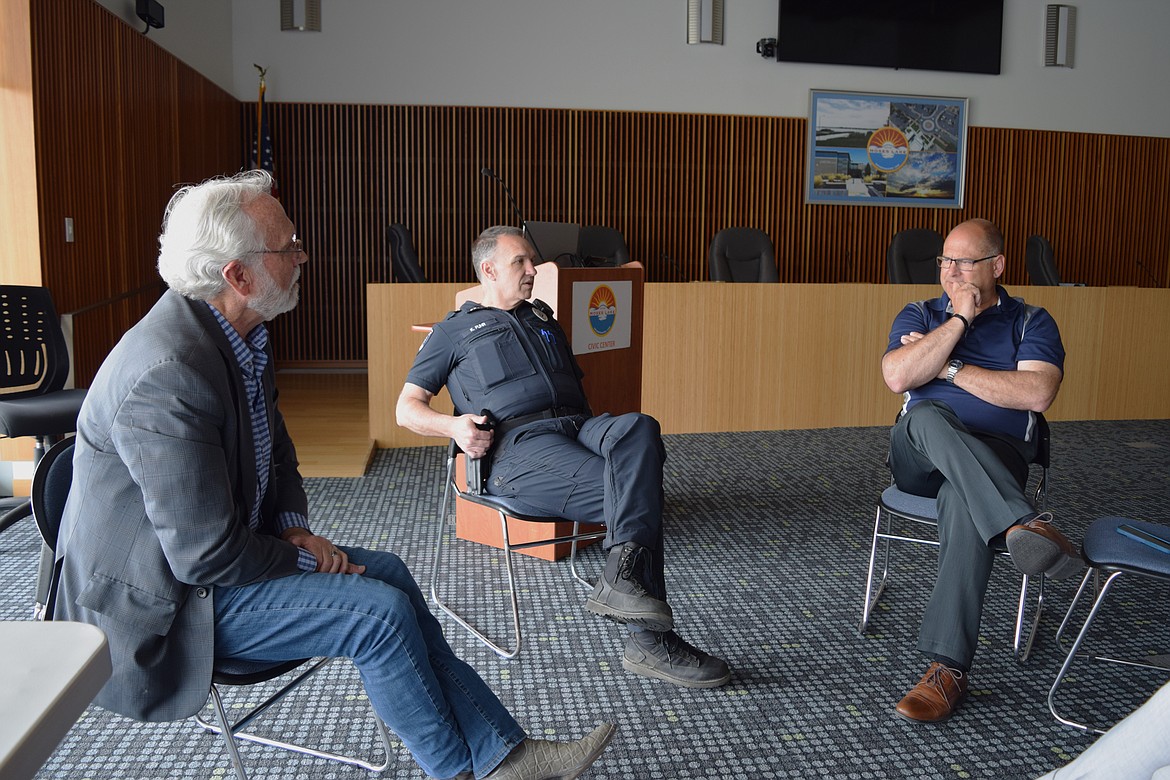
(768, 536)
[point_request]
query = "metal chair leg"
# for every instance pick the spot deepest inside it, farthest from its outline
(509, 548)
(440, 536)
(225, 728)
(232, 732)
(872, 597)
(1076, 646)
(584, 582)
(1021, 645)
(15, 514)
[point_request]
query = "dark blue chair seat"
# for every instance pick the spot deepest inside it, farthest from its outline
(1105, 548)
(1113, 556)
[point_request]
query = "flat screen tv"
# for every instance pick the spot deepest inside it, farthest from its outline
(951, 35)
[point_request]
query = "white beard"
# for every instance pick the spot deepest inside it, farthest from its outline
(271, 301)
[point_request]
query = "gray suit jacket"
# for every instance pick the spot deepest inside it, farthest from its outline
(164, 482)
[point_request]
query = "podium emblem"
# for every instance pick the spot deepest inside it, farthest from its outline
(603, 313)
(602, 310)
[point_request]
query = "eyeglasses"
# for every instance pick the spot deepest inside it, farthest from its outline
(296, 246)
(965, 264)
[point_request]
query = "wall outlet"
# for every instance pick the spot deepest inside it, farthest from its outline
(68, 230)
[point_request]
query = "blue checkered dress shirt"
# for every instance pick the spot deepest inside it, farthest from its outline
(252, 357)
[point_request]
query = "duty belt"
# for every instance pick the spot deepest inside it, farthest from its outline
(512, 423)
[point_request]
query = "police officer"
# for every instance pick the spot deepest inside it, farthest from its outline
(505, 360)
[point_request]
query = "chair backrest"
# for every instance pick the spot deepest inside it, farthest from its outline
(910, 258)
(743, 254)
(50, 489)
(1040, 262)
(1042, 459)
(36, 358)
(1043, 442)
(403, 258)
(602, 245)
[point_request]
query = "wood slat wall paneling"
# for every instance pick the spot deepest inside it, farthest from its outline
(119, 121)
(669, 182)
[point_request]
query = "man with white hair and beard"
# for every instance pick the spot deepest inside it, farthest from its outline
(186, 534)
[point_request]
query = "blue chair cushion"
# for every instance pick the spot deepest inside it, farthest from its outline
(908, 504)
(1105, 547)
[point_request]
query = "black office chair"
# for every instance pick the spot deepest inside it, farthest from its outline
(505, 509)
(33, 401)
(742, 254)
(1113, 555)
(403, 258)
(50, 487)
(1040, 262)
(911, 256)
(598, 245)
(915, 514)
(52, 480)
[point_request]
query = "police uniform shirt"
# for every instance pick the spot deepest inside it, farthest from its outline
(998, 339)
(511, 363)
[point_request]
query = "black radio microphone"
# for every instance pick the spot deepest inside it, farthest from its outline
(489, 173)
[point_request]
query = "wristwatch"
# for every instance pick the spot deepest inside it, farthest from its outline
(952, 369)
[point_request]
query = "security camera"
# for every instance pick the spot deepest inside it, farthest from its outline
(766, 48)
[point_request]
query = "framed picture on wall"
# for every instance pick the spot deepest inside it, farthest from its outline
(873, 149)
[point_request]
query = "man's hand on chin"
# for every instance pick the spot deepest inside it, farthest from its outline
(965, 297)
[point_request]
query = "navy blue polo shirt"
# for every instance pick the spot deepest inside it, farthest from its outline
(998, 339)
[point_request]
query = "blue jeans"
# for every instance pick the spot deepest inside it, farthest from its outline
(437, 705)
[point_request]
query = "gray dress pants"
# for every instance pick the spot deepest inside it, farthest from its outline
(978, 479)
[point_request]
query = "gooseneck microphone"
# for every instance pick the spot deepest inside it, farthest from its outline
(489, 173)
(1149, 273)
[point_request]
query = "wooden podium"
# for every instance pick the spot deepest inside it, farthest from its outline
(613, 378)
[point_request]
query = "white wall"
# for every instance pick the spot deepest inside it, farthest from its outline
(631, 55)
(198, 32)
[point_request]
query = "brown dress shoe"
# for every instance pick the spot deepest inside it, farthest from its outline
(1038, 548)
(936, 696)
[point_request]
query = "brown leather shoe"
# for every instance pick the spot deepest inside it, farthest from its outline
(1038, 548)
(936, 696)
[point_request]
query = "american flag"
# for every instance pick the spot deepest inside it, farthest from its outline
(262, 154)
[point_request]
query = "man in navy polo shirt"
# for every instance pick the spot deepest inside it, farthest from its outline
(976, 366)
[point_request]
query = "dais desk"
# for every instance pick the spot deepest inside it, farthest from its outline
(739, 357)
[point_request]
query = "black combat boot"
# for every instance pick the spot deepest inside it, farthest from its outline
(623, 590)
